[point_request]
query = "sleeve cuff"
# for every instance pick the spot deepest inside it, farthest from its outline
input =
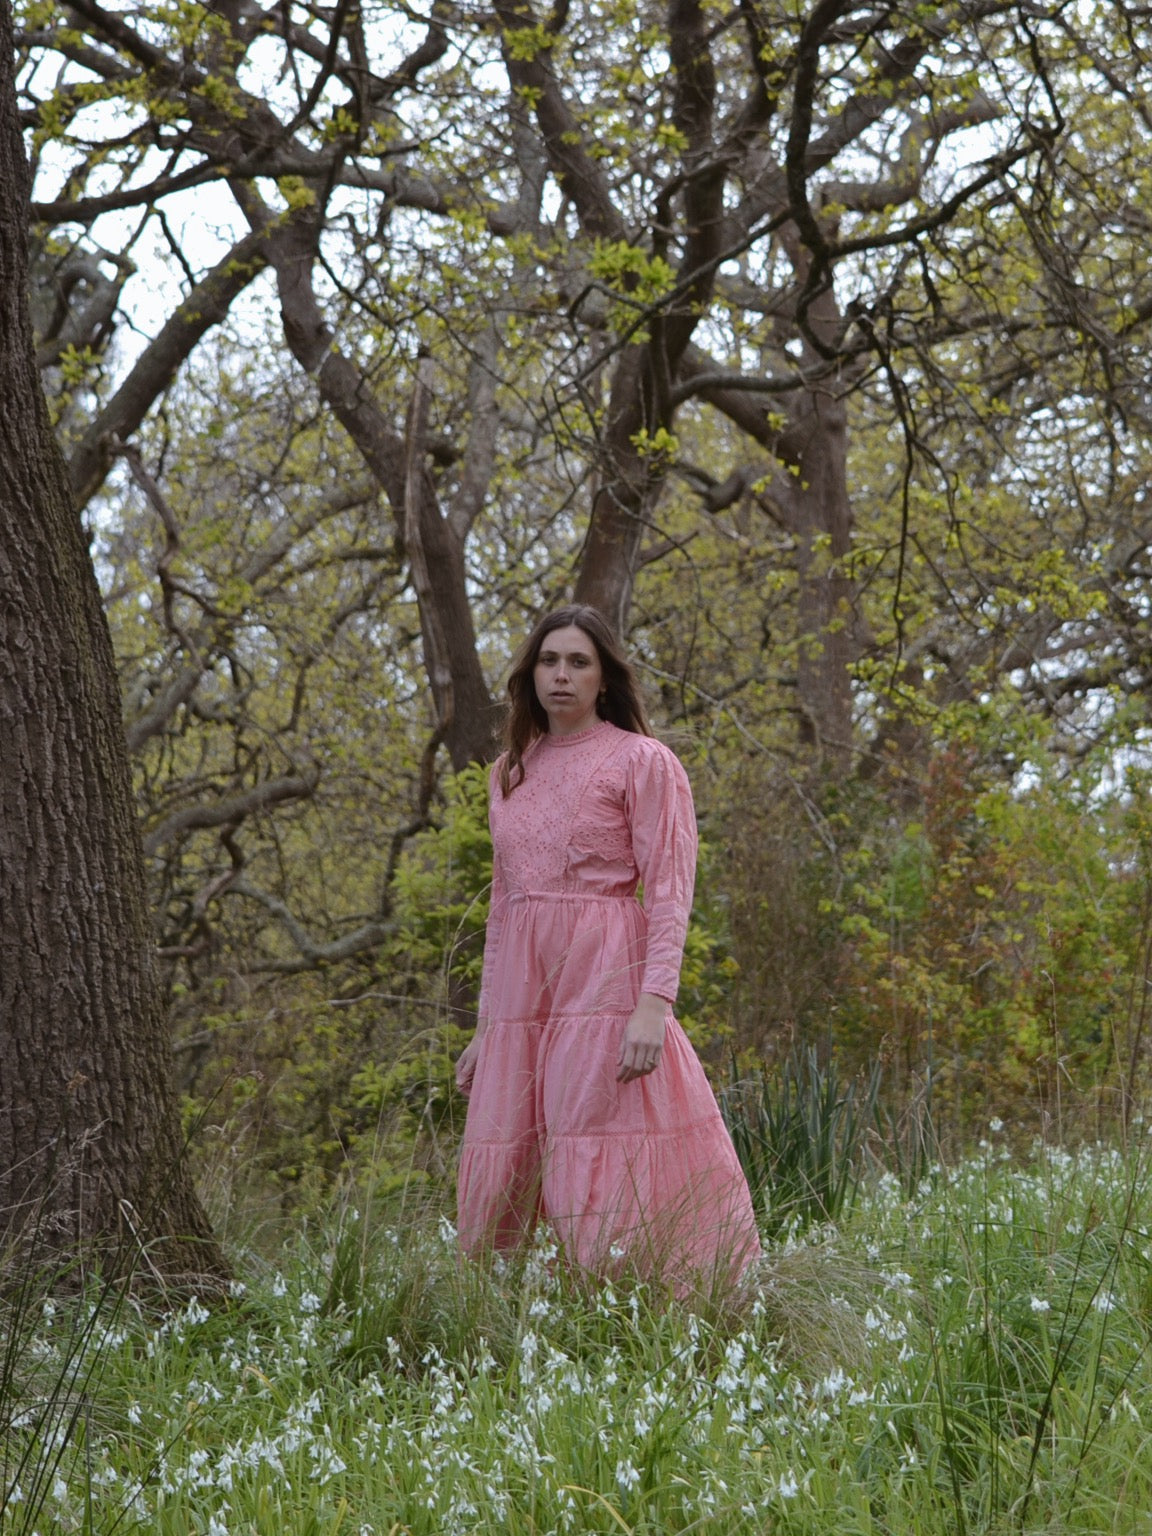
(663, 982)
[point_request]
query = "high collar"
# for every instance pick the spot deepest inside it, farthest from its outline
(574, 739)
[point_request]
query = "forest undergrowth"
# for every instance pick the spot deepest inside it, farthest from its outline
(959, 1348)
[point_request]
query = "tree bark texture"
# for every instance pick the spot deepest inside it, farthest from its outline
(820, 514)
(617, 523)
(90, 1144)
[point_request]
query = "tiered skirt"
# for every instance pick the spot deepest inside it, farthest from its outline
(638, 1176)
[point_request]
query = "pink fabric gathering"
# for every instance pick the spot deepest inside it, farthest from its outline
(638, 1175)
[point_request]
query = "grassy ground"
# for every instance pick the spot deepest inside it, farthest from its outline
(968, 1358)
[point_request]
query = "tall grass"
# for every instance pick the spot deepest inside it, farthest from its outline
(970, 1358)
(799, 1133)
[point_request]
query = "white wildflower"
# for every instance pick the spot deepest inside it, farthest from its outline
(881, 1322)
(1040, 1304)
(626, 1475)
(1125, 1402)
(326, 1464)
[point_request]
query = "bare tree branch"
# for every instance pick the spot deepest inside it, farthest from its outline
(156, 368)
(231, 809)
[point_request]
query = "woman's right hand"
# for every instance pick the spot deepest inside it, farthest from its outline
(466, 1065)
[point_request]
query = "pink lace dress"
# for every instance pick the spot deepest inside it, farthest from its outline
(640, 1173)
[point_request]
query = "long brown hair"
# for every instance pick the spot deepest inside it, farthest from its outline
(619, 701)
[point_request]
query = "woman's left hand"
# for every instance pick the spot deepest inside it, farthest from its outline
(643, 1042)
(466, 1066)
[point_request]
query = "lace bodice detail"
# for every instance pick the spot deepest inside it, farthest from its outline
(595, 814)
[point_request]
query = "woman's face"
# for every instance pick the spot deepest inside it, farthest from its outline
(568, 677)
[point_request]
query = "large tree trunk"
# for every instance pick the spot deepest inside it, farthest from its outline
(616, 527)
(820, 514)
(90, 1145)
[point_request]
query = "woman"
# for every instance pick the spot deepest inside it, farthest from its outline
(587, 1104)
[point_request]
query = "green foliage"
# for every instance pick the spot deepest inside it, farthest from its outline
(374, 1073)
(524, 43)
(644, 279)
(980, 924)
(992, 941)
(799, 1133)
(443, 880)
(709, 969)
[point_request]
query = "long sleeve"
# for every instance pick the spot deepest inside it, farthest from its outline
(497, 902)
(658, 802)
